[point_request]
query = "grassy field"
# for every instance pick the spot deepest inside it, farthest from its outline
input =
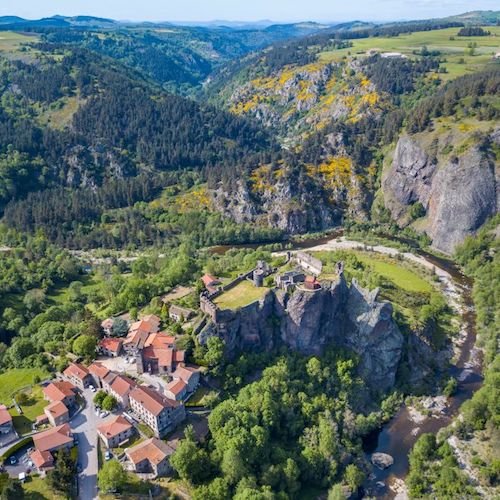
(401, 276)
(11, 42)
(36, 488)
(22, 423)
(453, 50)
(241, 295)
(198, 398)
(15, 379)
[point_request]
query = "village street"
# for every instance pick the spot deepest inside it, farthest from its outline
(84, 427)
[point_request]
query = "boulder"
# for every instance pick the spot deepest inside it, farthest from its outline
(382, 460)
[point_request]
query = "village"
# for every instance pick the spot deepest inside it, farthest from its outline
(130, 402)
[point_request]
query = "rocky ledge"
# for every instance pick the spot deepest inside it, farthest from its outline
(308, 322)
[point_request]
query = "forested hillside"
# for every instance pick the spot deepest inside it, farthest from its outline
(74, 119)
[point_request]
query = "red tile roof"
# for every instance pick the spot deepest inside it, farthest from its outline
(5, 416)
(152, 400)
(184, 373)
(165, 357)
(122, 385)
(179, 356)
(154, 450)
(58, 391)
(209, 280)
(42, 459)
(176, 386)
(111, 344)
(56, 409)
(53, 438)
(76, 370)
(160, 339)
(98, 369)
(114, 426)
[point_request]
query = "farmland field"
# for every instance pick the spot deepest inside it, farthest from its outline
(454, 50)
(11, 42)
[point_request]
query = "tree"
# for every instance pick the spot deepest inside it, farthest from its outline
(189, 461)
(353, 477)
(62, 477)
(85, 345)
(99, 398)
(215, 351)
(111, 477)
(109, 403)
(119, 328)
(34, 300)
(12, 490)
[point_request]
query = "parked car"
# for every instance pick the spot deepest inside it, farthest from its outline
(108, 455)
(13, 460)
(104, 414)
(92, 388)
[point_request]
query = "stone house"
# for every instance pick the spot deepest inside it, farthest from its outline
(115, 431)
(150, 457)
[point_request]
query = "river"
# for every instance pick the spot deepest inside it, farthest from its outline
(398, 436)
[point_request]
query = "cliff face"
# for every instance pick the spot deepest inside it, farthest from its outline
(459, 192)
(308, 322)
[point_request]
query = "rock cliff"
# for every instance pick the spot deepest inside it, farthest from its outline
(459, 192)
(308, 322)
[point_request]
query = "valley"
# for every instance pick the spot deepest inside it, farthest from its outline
(272, 249)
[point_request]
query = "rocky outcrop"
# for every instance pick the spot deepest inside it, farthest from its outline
(410, 178)
(464, 194)
(458, 193)
(284, 206)
(308, 322)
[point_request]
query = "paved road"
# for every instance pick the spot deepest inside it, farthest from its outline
(84, 424)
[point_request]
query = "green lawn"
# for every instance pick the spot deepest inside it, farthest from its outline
(401, 276)
(36, 488)
(452, 50)
(197, 399)
(35, 407)
(242, 294)
(17, 378)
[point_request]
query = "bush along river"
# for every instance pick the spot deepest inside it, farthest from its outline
(395, 439)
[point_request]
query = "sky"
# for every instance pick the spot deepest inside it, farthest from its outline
(246, 10)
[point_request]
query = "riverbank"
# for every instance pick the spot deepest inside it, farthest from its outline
(399, 435)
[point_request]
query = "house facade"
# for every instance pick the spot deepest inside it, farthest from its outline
(150, 457)
(5, 420)
(57, 413)
(62, 391)
(160, 413)
(78, 375)
(115, 431)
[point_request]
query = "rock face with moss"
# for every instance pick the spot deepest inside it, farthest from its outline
(459, 192)
(308, 322)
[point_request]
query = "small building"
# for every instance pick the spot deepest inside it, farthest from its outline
(160, 413)
(180, 314)
(6, 426)
(110, 346)
(190, 376)
(98, 372)
(54, 439)
(62, 391)
(176, 389)
(150, 457)
(258, 278)
(309, 263)
(393, 55)
(211, 282)
(107, 326)
(119, 386)
(42, 460)
(78, 375)
(139, 333)
(115, 432)
(311, 283)
(57, 413)
(289, 279)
